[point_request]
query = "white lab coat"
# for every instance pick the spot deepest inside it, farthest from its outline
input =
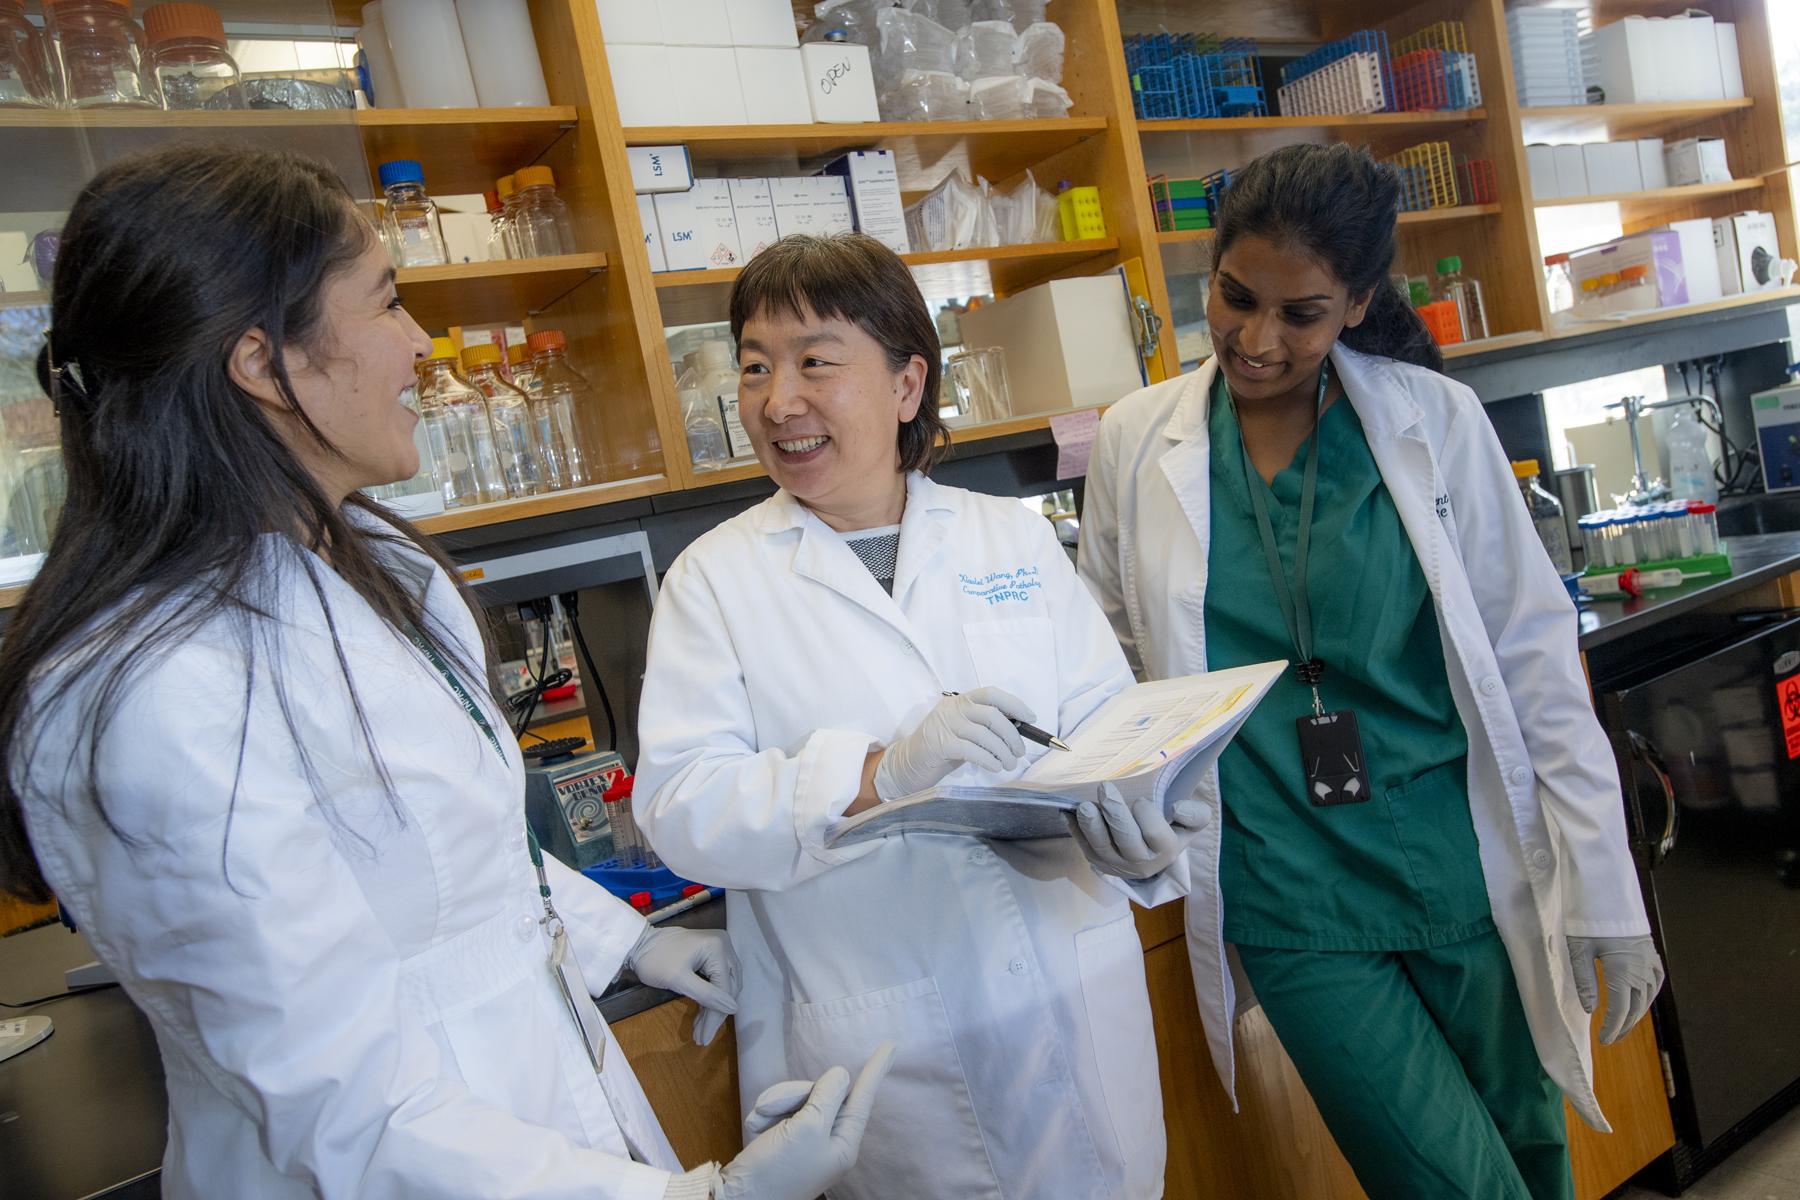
(1009, 973)
(364, 1007)
(1543, 786)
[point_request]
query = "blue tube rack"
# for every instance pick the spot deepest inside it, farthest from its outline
(1188, 76)
(1365, 41)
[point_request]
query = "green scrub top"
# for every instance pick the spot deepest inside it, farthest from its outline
(1400, 871)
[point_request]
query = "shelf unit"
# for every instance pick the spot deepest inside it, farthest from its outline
(614, 310)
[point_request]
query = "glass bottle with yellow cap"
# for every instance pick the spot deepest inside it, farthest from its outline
(462, 438)
(509, 413)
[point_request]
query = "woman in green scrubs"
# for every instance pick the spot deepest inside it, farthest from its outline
(1422, 846)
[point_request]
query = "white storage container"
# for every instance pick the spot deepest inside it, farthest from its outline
(762, 23)
(693, 22)
(1069, 343)
(697, 227)
(640, 77)
(815, 204)
(839, 84)
(630, 22)
(754, 208)
(659, 168)
(705, 83)
(774, 86)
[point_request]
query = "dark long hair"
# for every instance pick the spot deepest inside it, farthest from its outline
(1340, 206)
(857, 278)
(174, 474)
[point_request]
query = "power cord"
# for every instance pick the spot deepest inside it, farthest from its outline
(571, 606)
(542, 680)
(52, 999)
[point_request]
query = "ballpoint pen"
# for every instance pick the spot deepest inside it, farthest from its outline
(1032, 733)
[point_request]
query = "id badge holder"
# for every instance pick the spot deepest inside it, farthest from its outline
(575, 994)
(1331, 755)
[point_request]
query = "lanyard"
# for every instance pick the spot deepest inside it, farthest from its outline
(568, 976)
(1296, 608)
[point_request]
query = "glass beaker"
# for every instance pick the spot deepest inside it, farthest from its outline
(978, 379)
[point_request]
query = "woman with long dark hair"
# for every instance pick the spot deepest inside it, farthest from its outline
(249, 745)
(1422, 847)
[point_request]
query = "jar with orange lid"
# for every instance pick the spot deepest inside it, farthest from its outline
(99, 54)
(26, 79)
(189, 59)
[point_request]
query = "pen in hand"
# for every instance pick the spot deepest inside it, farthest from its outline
(1032, 733)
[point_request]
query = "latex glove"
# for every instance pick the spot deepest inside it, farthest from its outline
(1136, 841)
(799, 1157)
(970, 728)
(1634, 974)
(699, 964)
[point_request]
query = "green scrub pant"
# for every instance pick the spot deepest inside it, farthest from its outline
(1423, 1067)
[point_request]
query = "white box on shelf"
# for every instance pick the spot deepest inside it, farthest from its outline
(1541, 161)
(774, 86)
(1628, 61)
(1689, 72)
(1697, 160)
(1620, 169)
(1731, 68)
(693, 22)
(629, 22)
(874, 186)
(653, 244)
(1571, 172)
(814, 204)
(1653, 170)
(641, 85)
(1747, 252)
(466, 236)
(705, 82)
(1068, 343)
(762, 23)
(754, 207)
(659, 168)
(697, 227)
(839, 84)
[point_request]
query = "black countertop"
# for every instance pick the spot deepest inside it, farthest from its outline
(1757, 558)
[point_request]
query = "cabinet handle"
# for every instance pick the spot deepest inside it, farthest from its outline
(1643, 750)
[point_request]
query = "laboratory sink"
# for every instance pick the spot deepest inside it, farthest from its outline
(1762, 513)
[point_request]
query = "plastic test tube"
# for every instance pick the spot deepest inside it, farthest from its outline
(627, 847)
(1706, 527)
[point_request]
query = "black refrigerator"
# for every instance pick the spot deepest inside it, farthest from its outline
(1706, 727)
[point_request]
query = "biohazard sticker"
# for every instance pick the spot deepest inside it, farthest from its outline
(1787, 699)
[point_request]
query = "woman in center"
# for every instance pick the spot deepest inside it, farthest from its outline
(801, 662)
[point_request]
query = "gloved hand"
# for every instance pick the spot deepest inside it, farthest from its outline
(970, 728)
(1136, 842)
(698, 963)
(1634, 974)
(799, 1156)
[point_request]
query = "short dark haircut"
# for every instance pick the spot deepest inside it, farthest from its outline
(858, 279)
(1337, 204)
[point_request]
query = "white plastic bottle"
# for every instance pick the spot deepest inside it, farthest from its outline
(503, 53)
(429, 56)
(1690, 461)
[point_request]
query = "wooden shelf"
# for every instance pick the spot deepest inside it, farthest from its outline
(1428, 216)
(1403, 120)
(463, 149)
(924, 151)
(1621, 122)
(695, 297)
(1651, 316)
(23, 299)
(489, 293)
(1658, 199)
(538, 506)
(1500, 341)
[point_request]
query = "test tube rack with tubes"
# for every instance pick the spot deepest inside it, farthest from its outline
(1675, 535)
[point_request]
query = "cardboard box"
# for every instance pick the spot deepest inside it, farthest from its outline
(693, 22)
(762, 23)
(653, 245)
(466, 236)
(1696, 160)
(640, 76)
(839, 84)
(704, 80)
(873, 183)
(659, 168)
(1540, 161)
(1747, 252)
(1612, 167)
(1068, 343)
(1651, 59)
(754, 207)
(1653, 171)
(697, 227)
(630, 22)
(815, 204)
(773, 83)
(1571, 171)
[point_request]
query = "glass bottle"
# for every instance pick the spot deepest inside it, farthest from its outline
(700, 418)
(462, 438)
(1465, 293)
(1559, 283)
(509, 412)
(26, 80)
(415, 236)
(518, 367)
(188, 57)
(99, 54)
(508, 221)
(497, 247)
(425, 482)
(560, 396)
(1546, 515)
(542, 219)
(718, 382)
